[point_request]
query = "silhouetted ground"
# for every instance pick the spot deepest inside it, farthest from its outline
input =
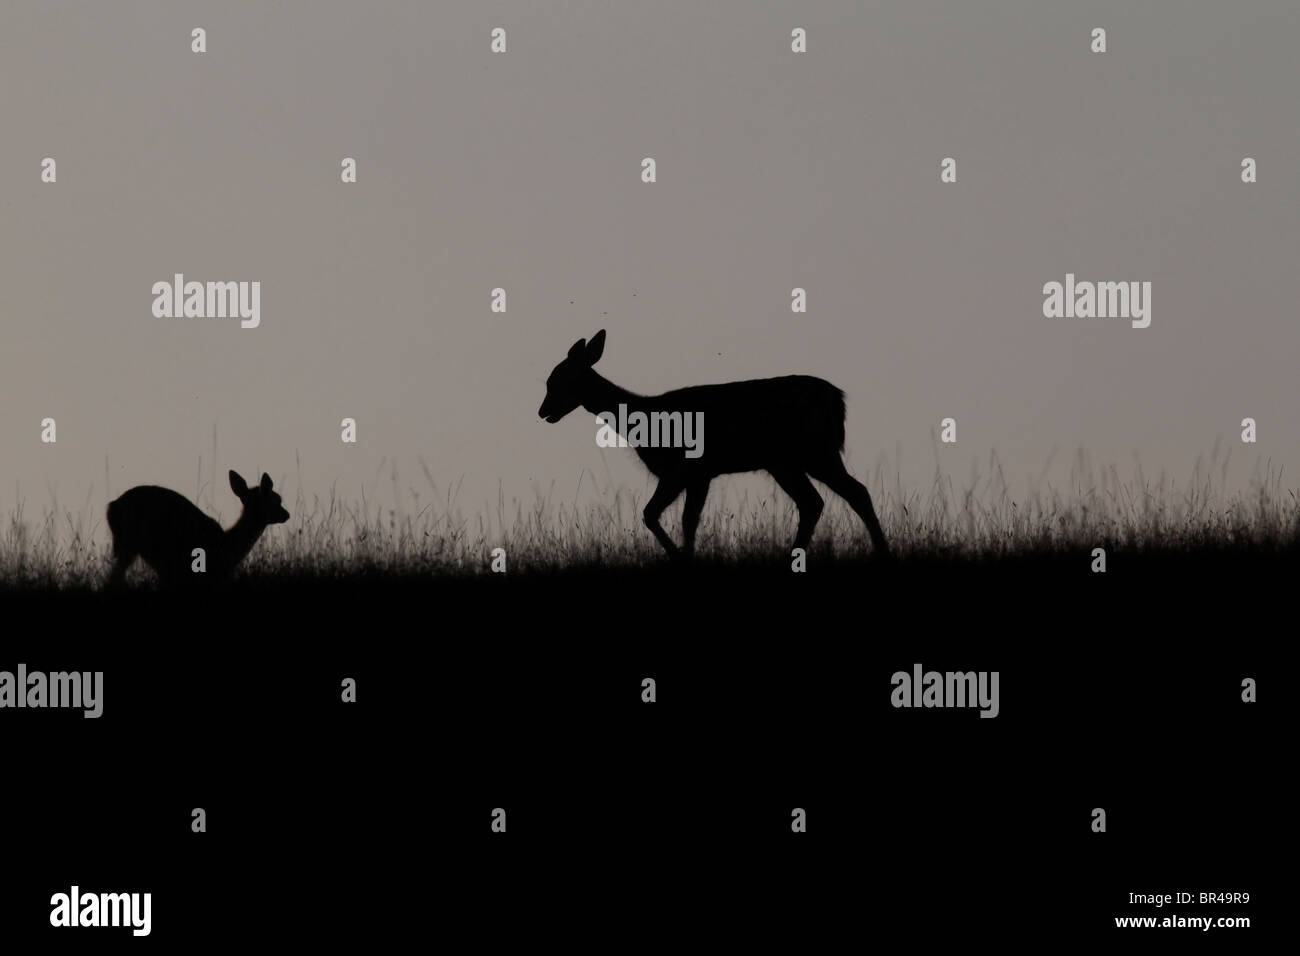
(880, 585)
(1119, 690)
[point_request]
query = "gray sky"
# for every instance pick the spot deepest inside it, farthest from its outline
(522, 170)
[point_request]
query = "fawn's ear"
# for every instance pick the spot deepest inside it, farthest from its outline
(596, 347)
(578, 348)
(237, 484)
(266, 482)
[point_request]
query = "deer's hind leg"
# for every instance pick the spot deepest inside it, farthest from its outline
(835, 476)
(796, 484)
(696, 492)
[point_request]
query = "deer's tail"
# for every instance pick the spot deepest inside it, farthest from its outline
(837, 417)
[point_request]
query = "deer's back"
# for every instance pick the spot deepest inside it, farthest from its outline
(757, 424)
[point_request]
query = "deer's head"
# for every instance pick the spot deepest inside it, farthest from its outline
(567, 384)
(261, 504)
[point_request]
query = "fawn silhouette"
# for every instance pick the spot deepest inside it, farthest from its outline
(164, 528)
(791, 427)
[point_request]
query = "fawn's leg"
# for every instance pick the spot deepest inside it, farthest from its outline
(123, 557)
(117, 577)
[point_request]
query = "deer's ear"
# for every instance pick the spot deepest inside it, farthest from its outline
(238, 485)
(596, 347)
(266, 482)
(578, 348)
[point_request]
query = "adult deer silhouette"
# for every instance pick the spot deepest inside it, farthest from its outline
(791, 427)
(164, 528)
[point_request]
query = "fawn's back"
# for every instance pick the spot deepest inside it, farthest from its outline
(161, 526)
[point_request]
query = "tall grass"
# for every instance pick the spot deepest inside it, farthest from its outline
(425, 532)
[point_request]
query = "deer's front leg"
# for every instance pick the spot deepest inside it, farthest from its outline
(665, 494)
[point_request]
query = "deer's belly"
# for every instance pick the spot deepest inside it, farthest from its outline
(677, 461)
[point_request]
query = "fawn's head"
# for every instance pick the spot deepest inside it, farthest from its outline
(567, 384)
(261, 504)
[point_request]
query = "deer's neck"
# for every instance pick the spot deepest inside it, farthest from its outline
(604, 396)
(240, 538)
